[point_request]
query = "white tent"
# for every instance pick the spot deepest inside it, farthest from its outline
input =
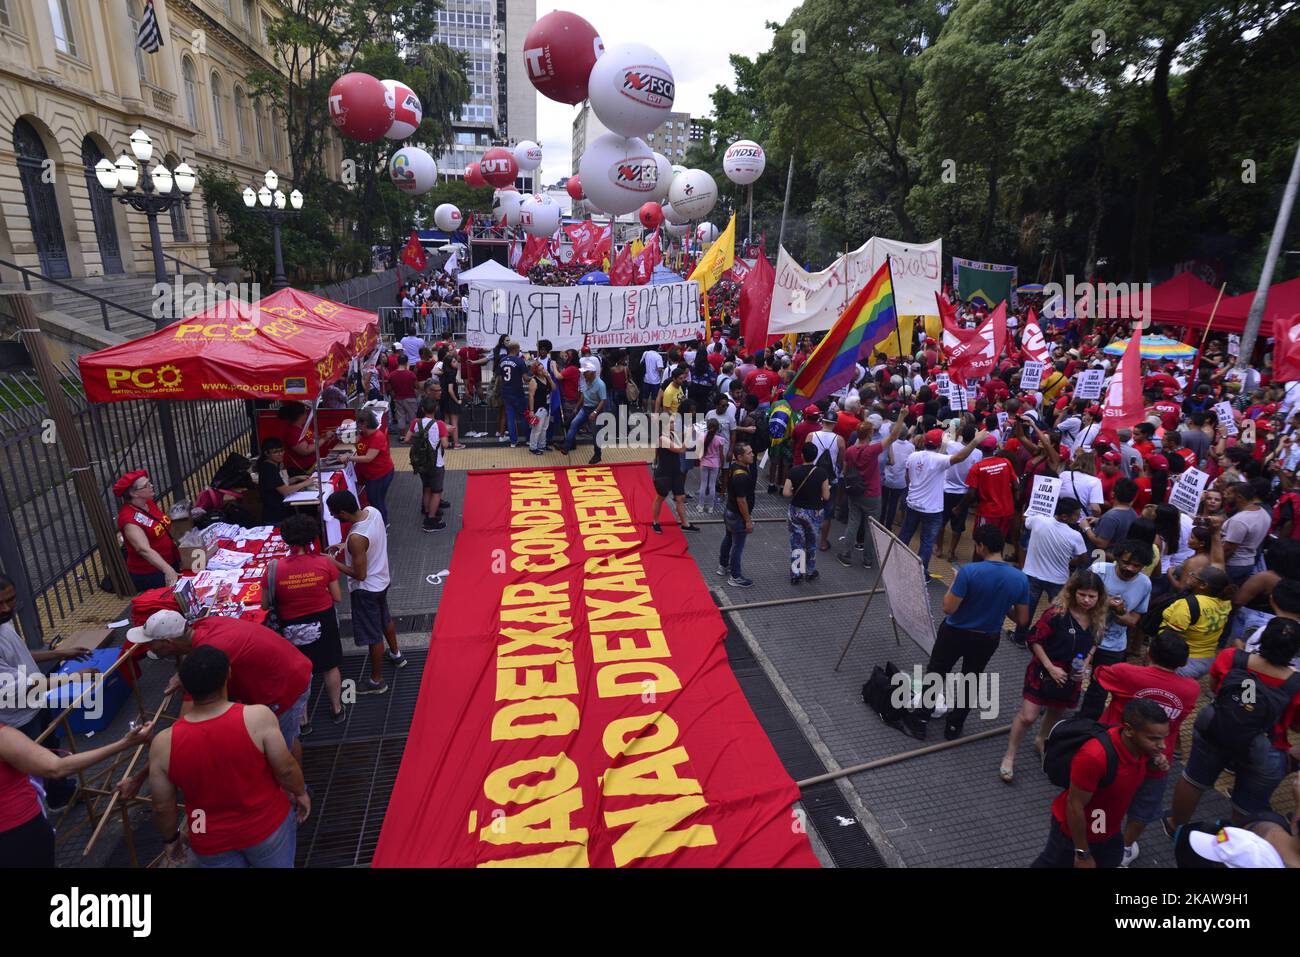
(491, 273)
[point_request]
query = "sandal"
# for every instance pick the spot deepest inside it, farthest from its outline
(1006, 774)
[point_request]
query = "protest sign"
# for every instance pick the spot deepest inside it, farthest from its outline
(1227, 421)
(1043, 496)
(1186, 493)
(1031, 376)
(1089, 383)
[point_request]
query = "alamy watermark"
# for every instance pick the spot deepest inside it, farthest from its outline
(179, 299)
(57, 691)
(639, 430)
(1103, 300)
(930, 689)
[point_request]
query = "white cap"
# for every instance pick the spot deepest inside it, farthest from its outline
(875, 419)
(161, 626)
(1236, 848)
(588, 364)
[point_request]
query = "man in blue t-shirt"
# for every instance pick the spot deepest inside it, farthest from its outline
(971, 629)
(1128, 592)
(514, 373)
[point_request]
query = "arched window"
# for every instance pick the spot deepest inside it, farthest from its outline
(241, 121)
(260, 124)
(191, 91)
(218, 123)
(275, 133)
(133, 14)
(180, 216)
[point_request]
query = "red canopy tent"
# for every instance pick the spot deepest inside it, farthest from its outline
(1170, 301)
(288, 345)
(1283, 302)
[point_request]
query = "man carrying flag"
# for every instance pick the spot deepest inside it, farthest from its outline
(720, 257)
(1123, 405)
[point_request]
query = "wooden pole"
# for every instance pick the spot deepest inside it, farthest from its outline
(74, 449)
(130, 768)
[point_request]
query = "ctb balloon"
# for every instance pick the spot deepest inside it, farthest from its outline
(743, 162)
(361, 107)
(559, 52)
(413, 171)
(673, 218)
(693, 194)
(407, 111)
(528, 155)
(447, 218)
(651, 215)
(631, 89)
(618, 174)
(499, 167)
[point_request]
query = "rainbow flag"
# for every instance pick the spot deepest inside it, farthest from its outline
(867, 321)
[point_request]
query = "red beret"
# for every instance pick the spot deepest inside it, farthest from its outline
(123, 485)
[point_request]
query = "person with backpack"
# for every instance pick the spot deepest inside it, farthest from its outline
(737, 516)
(828, 455)
(1100, 770)
(925, 472)
(1062, 643)
(1128, 592)
(712, 450)
(808, 487)
(539, 406)
(428, 444)
(1256, 701)
(1200, 616)
(1158, 681)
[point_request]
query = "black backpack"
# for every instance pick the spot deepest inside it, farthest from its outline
(826, 463)
(1064, 742)
(1245, 707)
(1152, 622)
(423, 457)
(878, 695)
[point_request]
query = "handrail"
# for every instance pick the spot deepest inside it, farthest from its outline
(103, 303)
(176, 259)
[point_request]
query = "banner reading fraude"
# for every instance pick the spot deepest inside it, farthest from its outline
(577, 708)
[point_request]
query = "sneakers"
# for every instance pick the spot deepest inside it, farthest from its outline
(740, 582)
(399, 660)
(502, 437)
(771, 489)
(1130, 854)
(371, 686)
(813, 575)
(537, 451)
(657, 529)
(723, 571)
(795, 579)
(845, 560)
(304, 729)
(434, 525)
(860, 546)
(340, 716)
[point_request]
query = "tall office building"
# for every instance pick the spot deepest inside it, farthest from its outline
(672, 138)
(502, 107)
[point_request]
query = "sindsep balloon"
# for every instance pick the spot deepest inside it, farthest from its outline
(743, 162)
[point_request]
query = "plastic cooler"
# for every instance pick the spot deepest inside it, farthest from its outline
(97, 711)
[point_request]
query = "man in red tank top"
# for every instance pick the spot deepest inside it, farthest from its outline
(232, 765)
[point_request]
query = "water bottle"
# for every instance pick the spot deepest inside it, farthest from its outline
(1077, 668)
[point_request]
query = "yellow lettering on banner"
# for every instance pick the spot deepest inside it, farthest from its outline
(594, 513)
(609, 685)
(534, 684)
(651, 831)
(534, 661)
(614, 564)
(540, 480)
(604, 528)
(571, 855)
(526, 563)
(615, 647)
(633, 583)
(560, 775)
(539, 614)
(623, 735)
(609, 542)
(549, 520)
(653, 774)
(524, 503)
(561, 718)
(519, 639)
(600, 613)
(598, 475)
(596, 497)
(546, 822)
(528, 532)
(534, 593)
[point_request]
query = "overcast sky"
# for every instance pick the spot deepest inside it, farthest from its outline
(694, 36)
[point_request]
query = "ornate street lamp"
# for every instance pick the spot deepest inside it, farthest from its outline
(269, 201)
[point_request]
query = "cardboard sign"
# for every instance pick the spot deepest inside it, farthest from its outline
(1186, 493)
(1234, 344)
(1089, 383)
(958, 398)
(1002, 421)
(942, 382)
(1043, 496)
(1227, 421)
(1031, 377)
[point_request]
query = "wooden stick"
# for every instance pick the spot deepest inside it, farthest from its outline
(129, 769)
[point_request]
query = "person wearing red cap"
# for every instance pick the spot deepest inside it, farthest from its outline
(925, 472)
(811, 423)
(152, 558)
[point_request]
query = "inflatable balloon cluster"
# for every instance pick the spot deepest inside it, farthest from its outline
(366, 110)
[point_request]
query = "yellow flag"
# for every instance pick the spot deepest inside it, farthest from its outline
(889, 345)
(637, 246)
(720, 257)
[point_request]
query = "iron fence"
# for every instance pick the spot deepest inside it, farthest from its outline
(441, 321)
(364, 292)
(49, 536)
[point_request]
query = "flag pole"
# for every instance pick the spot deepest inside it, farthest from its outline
(1196, 363)
(898, 320)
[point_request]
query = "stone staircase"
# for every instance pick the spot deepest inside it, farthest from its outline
(132, 292)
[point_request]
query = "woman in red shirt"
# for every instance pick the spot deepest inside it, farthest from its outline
(306, 588)
(373, 461)
(151, 556)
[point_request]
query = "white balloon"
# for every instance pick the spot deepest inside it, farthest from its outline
(447, 218)
(672, 217)
(665, 178)
(539, 217)
(528, 155)
(631, 89)
(678, 169)
(505, 206)
(413, 171)
(407, 110)
(618, 175)
(743, 162)
(706, 233)
(693, 194)
(676, 230)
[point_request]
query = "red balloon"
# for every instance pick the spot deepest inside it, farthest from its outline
(559, 52)
(361, 108)
(474, 177)
(499, 166)
(574, 187)
(652, 215)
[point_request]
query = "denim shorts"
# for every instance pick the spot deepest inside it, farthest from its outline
(291, 720)
(1148, 802)
(1256, 777)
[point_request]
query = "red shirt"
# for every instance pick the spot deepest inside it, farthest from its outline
(382, 463)
(801, 433)
(846, 424)
(1108, 486)
(1159, 383)
(292, 434)
(1188, 456)
(1086, 772)
(403, 383)
(424, 370)
(1219, 671)
(995, 390)
(1170, 413)
(302, 585)
(761, 383)
(569, 379)
(993, 481)
(1176, 694)
(1143, 498)
(219, 769)
(155, 526)
(18, 803)
(264, 668)
(470, 372)
(865, 457)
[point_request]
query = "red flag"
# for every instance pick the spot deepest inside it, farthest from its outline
(953, 334)
(1122, 405)
(622, 271)
(644, 262)
(535, 247)
(1032, 341)
(977, 354)
(756, 302)
(413, 254)
(1286, 355)
(590, 242)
